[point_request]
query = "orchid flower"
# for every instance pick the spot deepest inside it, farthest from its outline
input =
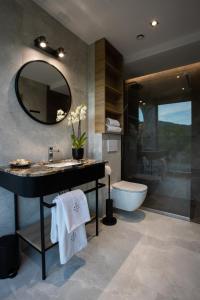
(79, 140)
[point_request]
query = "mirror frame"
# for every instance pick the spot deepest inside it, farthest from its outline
(19, 97)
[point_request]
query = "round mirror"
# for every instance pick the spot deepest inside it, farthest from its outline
(43, 92)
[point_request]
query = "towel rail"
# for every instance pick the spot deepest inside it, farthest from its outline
(50, 205)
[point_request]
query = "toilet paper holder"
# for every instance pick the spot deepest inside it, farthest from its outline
(109, 220)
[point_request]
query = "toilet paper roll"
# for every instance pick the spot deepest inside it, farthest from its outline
(108, 170)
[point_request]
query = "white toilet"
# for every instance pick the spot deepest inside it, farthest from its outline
(128, 196)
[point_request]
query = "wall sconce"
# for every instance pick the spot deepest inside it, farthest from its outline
(41, 43)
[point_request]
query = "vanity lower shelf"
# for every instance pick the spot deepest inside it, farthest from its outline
(32, 235)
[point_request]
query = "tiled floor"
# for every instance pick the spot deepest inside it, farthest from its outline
(146, 256)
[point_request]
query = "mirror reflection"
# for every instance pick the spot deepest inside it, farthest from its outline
(43, 92)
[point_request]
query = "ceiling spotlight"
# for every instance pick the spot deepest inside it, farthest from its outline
(140, 36)
(61, 52)
(183, 88)
(154, 23)
(140, 101)
(143, 103)
(41, 41)
(178, 76)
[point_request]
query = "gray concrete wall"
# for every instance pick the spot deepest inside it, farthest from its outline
(21, 21)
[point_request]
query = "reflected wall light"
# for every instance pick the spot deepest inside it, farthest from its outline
(42, 44)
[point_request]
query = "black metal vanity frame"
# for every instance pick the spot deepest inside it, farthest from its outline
(40, 186)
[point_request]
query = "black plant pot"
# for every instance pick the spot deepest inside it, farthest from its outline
(77, 153)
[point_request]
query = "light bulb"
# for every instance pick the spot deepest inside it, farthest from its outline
(41, 41)
(154, 23)
(61, 52)
(43, 44)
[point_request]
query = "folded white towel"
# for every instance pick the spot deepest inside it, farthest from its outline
(113, 129)
(112, 122)
(67, 223)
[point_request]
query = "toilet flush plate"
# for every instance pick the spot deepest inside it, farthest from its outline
(112, 145)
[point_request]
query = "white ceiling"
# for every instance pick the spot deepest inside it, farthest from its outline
(121, 20)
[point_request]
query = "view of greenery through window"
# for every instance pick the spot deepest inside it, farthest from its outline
(174, 133)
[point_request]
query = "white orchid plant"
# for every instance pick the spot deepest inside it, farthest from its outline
(75, 117)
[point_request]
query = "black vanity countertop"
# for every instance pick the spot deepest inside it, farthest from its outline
(41, 168)
(40, 180)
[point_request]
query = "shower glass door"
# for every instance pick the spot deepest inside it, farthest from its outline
(157, 140)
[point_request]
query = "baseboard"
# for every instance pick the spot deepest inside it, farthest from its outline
(166, 213)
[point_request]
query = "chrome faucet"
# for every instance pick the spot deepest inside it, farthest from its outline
(51, 152)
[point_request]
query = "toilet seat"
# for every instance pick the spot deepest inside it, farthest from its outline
(129, 186)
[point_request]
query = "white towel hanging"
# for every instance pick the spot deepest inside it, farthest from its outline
(68, 223)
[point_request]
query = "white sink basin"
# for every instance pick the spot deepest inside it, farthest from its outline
(63, 164)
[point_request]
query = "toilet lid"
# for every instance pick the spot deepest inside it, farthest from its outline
(129, 186)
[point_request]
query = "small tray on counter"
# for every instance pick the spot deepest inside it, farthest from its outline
(20, 163)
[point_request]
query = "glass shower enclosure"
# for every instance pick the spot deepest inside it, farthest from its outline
(161, 133)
